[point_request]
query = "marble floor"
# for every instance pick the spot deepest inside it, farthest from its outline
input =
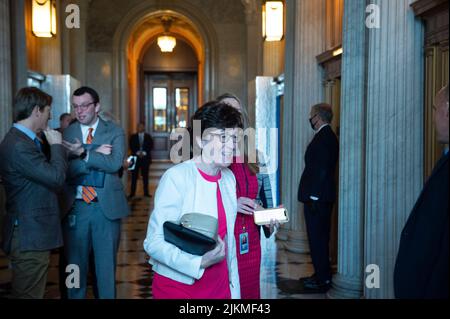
(280, 269)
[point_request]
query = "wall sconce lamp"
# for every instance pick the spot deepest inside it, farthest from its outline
(44, 18)
(338, 51)
(166, 42)
(273, 20)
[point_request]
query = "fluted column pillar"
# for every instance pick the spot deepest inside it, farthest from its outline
(18, 47)
(254, 63)
(5, 83)
(394, 135)
(304, 41)
(5, 69)
(348, 282)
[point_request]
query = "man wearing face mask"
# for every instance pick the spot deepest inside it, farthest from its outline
(317, 192)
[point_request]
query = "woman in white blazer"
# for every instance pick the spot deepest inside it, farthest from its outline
(204, 185)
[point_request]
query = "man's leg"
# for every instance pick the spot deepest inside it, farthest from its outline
(29, 271)
(145, 168)
(77, 241)
(318, 221)
(62, 273)
(105, 242)
(134, 177)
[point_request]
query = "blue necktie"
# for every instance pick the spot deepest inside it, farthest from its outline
(38, 143)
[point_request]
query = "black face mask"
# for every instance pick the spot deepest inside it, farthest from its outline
(311, 122)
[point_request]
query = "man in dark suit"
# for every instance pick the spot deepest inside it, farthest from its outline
(141, 145)
(32, 225)
(93, 197)
(421, 269)
(317, 192)
(64, 121)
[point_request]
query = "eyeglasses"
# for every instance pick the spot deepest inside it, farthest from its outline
(225, 138)
(83, 107)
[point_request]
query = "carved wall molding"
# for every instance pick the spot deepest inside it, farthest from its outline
(435, 14)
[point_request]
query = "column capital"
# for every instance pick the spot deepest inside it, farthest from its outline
(251, 11)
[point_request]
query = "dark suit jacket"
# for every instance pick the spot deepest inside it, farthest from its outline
(147, 146)
(318, 178)
(31, 184)
(421, 269)
(112, 196)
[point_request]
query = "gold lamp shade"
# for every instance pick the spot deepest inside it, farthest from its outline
(44, 18)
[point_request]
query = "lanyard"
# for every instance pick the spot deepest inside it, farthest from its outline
(243, 222)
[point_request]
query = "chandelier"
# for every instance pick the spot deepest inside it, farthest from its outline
(166, 42)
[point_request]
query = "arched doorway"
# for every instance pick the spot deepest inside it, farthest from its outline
(137, 31)
(168, 92)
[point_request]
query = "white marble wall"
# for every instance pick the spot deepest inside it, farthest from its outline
(74, 42)
(394, 135)
(232, 62)
(304, 41)
(98, 76)
(266, 132)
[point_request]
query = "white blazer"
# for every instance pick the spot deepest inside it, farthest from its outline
(183, 190)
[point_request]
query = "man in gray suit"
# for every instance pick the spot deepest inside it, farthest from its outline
(93, 199)
(32, 225)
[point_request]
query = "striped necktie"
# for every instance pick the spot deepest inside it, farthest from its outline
(89, 193)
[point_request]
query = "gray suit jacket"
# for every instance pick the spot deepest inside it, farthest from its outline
(31, 184)
(112, 197)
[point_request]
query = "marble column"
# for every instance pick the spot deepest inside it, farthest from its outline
(394, 135)
(19, 63)
(348, 282)
(74, 42)
(78, 44)
(5, 69)
(253, 21)
(304, 41)
(5, 83)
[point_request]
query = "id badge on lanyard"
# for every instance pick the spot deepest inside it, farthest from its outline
(244, 246)
(243, 243)
(243, 240)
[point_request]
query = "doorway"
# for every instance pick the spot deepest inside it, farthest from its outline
(170, 101)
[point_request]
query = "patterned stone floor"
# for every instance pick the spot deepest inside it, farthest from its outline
(280, 269)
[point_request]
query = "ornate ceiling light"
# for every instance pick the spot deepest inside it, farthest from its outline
(166, 41)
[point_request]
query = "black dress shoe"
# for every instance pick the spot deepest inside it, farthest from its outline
(317, 286)
(148, 195)
(130, 197)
